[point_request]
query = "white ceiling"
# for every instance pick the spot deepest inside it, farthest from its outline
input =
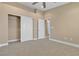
(49, 5)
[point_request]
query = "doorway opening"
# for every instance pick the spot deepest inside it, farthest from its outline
(41, 28)
(13, 28)
(49, 28)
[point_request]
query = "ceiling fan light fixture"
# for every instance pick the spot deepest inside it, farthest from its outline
(44, 4)
(34, 3)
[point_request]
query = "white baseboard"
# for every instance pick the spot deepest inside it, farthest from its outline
(35, 38)
(14, 40)
(5, 44)
(42, 38)
(66, 43)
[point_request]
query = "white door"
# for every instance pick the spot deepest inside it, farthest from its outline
(41, 28)
(26, 28)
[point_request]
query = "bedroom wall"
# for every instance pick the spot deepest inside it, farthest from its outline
(65, 22)
(3, 25)
(18, 10)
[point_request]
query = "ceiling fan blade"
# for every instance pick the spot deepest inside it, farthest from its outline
(44, 4)
(34, 3)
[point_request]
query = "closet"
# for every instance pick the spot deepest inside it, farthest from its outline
(13, 28)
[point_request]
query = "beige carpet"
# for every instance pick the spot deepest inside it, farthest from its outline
(38, 48)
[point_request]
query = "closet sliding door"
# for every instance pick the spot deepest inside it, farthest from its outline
(26, 28)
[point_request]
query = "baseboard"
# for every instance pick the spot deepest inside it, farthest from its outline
(35, 38)
(66, 43)
(42, 38)
(5, 44)
(14, 40)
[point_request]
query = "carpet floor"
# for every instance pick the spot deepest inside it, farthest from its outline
(42, 47)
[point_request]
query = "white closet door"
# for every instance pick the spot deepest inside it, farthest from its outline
(26, 28)
(41, 28)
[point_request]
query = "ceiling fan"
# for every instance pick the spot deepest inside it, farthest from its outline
(43, 4)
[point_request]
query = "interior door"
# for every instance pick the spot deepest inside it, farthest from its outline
(41, 28)
(26, 28)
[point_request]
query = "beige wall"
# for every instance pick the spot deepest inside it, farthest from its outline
(6, 9)
(65, 22)
(3, 25)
